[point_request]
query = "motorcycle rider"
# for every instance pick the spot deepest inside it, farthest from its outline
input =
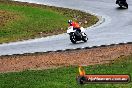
(76, 32)
(75, 25)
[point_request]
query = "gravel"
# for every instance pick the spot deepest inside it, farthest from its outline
(39, 61)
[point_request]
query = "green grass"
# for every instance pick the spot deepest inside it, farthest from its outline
(65, 77)
(33, 19)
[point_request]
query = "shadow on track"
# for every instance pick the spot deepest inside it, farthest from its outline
(121, 8)
(78, 43)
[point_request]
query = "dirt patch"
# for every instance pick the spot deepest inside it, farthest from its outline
(57, 59)
(6, 16)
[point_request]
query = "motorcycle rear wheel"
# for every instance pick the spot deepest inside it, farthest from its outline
(85, 38)
(126, 5)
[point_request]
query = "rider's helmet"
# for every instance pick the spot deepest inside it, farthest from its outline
(69, 21)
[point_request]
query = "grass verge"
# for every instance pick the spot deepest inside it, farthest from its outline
(65, 77)
(24, 20)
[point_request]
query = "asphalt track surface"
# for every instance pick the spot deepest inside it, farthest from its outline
(115, 27)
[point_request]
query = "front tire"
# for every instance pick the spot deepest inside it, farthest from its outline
(73, 39)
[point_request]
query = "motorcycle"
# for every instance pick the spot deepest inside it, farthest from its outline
(122, 3)
(75, 35)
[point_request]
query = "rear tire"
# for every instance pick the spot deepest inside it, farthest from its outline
(126, 5)
(85, 38)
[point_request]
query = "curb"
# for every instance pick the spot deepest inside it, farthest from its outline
(57, 51)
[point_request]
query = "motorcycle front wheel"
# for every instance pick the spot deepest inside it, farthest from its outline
(73, 39)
